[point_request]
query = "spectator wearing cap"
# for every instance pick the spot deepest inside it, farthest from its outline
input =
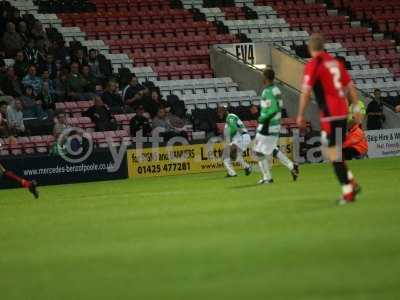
(140, 122)
(111, 97)
(12, 41)
(15, 118)
(31, 79)
(101, 116)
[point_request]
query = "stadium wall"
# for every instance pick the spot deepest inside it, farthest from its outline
(51, 170)
(288, 72)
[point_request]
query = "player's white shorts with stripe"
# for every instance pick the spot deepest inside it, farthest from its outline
(265, 144)
(241, 141)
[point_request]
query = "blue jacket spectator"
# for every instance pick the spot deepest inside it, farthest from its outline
(31, 79)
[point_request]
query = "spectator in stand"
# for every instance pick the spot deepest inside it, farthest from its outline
(46, 79)
(397, 108)
(10, 85)
(105, 66)
(178, 123)
(144, 98)
(94, 64)
(140, 122)
(29, 103)
(60, 86)
(91, 82)
(31, 79)
(41, 51)
(79, 57)
(111, 97)
(38, 32)
(59, 51)
(155, 102)
(254, 113)
(12, 41)
(3, 19)
(168, 126)
(3, 69)
(49, 65)
(3, 120)
(76, 84)
(375, 116)
(60, 124)
(23, 31)
(101, 116)
(47, 95)
(20, 65)
(160, 122)
(30, 52)
(131, 89)
(15, 16)
(221, 114)
(15, 118)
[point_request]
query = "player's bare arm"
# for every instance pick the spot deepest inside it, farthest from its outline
(303, 103)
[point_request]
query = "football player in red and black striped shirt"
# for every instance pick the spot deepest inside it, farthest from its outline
(332, 86)
(30, 185)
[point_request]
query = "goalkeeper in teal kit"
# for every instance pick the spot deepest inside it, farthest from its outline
(237, 141)
(268, 130)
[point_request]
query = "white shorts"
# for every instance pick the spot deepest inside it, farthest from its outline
(265, 144)
(241, 141)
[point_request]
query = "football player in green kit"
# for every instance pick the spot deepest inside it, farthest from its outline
(268, 130)
(237, 140)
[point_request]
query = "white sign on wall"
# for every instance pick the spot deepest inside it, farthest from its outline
(245, 52)
(383, 143)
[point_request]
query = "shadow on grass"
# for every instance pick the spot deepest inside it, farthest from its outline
(245, 186)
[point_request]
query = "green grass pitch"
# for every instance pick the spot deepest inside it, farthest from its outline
(205, 237)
